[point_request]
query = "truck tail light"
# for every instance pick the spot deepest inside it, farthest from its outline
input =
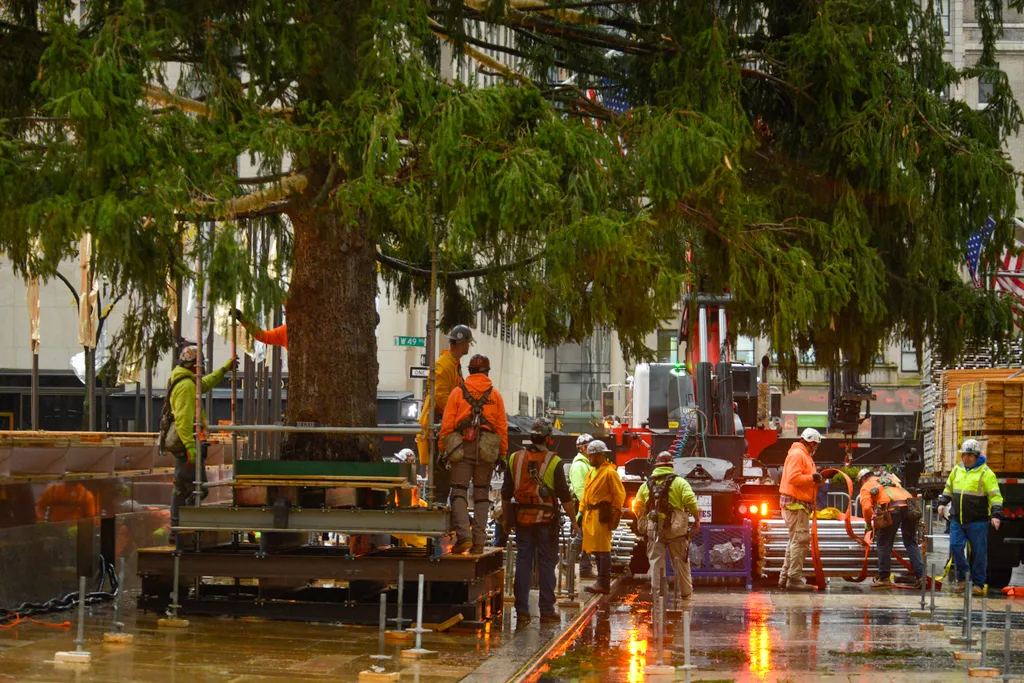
(764, 509)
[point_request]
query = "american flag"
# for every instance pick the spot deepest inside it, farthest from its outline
(614, 98)
(975, 245)
(1010, 280)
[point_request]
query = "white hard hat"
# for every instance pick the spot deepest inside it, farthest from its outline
(863, 473)
(971, 446)
(583, 440)
(811, 434)
(405, 455)
(597, 446)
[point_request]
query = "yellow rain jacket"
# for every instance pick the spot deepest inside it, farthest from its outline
(447, 373)
(603, 484)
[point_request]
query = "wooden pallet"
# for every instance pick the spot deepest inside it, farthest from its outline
(991, 406)
(953, 380)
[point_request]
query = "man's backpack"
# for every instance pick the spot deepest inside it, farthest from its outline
(170, 440)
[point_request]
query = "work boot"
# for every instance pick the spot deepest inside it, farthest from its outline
(598, 588)
(476, 550)
(881, 583)
(462, 547)
(977, 590)
(550, 618)
(522, 619)
(918, 584)
(959, 587)
(783, 582)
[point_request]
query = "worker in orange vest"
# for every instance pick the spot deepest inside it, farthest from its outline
(474, 434)
(879, 490)
(797, 491)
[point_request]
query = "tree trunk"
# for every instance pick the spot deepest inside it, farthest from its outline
(332, 351)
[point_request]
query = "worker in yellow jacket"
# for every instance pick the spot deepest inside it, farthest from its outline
(603, 495)
(447, 376)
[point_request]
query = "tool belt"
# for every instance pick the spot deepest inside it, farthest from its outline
(606, 514)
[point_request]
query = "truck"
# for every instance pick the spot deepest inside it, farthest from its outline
(984, 404)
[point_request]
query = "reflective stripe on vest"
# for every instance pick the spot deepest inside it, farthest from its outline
(532, 508)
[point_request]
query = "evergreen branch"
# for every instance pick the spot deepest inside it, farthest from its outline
(932, 128)
(328, 185)
(255, 201)
(754, 73)
(155, 94)
(260, 179)
(409, 269)
(479, 56)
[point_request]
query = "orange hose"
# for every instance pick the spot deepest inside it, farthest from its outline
(865, 541)
(18, 620)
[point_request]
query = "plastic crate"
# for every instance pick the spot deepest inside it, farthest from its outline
(720, 551)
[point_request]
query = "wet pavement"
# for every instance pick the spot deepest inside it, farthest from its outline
(850, 633)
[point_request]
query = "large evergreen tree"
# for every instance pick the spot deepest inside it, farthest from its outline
(798, 155)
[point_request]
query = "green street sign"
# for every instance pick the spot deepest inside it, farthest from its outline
(410, 341)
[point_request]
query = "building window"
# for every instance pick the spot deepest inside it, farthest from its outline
(524, 403)
(538, 407)
(942, 11)
(985, 88)
(807, 357)
(908, 358)
(745, 350)
(668, 346)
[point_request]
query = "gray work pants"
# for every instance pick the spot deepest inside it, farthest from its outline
(678, 551)
(471, 468)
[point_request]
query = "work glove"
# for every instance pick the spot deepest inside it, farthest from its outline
(232, 364)
(574, 528)
(995, 523)
(191, 457)
(867, 527)
(816, 477)
(942, 512)
(239, 316)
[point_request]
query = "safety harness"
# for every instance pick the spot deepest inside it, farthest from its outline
(470, 426)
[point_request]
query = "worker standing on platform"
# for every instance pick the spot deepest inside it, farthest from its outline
(474, 434)
(667, 504)
(578, 472)
(177, 425)
(447, 376)
(536, 482)
(881, 491)
(973, 490)
(603, 495)
(797, 493)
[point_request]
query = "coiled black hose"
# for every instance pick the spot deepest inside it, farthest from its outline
(66, 602)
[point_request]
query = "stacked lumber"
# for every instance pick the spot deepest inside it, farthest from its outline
(946, 441)
(952, 380)
(991, 406)
(990, 410)
(1004, 453)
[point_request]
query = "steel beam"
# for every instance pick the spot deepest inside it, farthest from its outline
(420, 521)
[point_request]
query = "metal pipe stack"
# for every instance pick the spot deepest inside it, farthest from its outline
(840, 554)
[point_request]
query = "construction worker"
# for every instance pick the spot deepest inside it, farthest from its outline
(447, 375)
(603, 495)
(64, 501)
(181, 391)
(667, 504)
(797, 494)
(578, 472)
(474, 434)
(880, 490)
(536, 482)
(973, 490)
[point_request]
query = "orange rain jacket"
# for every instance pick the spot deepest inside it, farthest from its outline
(798, 474)
(275, 337)
(458, 409)
(867, 504)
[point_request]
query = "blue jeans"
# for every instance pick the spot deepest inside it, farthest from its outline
(536, 542)
(887, 537)
(975, 533)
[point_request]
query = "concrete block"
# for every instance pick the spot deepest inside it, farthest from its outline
(379, 676)
(415, 655)
(982, 672)
(74, 658)
(659, 673)
(967, 656)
